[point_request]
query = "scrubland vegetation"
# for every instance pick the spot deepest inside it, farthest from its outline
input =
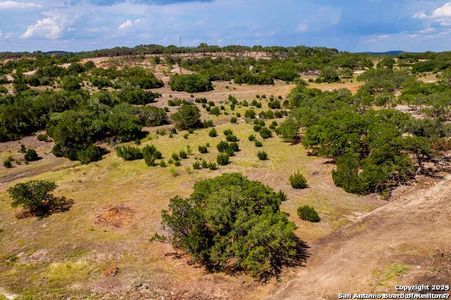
(171, 135)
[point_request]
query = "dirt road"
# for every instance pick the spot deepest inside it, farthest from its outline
(407, 240)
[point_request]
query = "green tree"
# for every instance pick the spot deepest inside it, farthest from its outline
(34, 196)
(187, 117)
(232, 223)
(191, 83)
(329, 74)
(71, 83)
(129, 152)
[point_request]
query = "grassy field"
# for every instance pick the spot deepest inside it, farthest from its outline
(102, 246)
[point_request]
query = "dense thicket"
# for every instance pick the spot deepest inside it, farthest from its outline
(75, 130)
(231, 223)
(78, 119)
(191, 83)
(29, 111)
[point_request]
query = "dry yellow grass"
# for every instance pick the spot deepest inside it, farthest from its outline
(33, 251)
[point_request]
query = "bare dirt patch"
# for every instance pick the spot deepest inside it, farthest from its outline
(117, 216)
(352, 86)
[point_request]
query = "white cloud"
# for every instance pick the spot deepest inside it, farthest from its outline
(53, 24)
(125, 25)
(18, 5)
(441, 14)
(46, 27)
(128, 24)
(443, 11)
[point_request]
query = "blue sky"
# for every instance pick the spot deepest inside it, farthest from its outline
(365, 25)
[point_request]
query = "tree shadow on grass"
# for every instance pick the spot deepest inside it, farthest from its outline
(52, 206)
(299, 260)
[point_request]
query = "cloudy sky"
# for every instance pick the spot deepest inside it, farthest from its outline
(353, 25)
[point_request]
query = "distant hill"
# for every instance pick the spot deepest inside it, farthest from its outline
(58, 53)
(392, 52)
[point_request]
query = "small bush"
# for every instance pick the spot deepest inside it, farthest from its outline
(298, 181)
(151, 154)
(197, 165)
(7, 163)
(222, 146)
(265, 133)
(203, 149)
(31, 155)
(174, 171)
(22, 148)
(129, 152)
(161, 132)
(259, 122)
(273, 125)
(175, 102)
(262, 155)
(91, 154)
(234, 147)
(308, 213)
(229, 151)
(232, 138)
(204, 164)
(183, 154)
(163, 164)
(252, 138)
(228, 132)
(43, 137)
(233, 120)
(257, 128)
(223, 159)
(175, 156)
(215, 111)
(213, 133)
(258, 144)
(250, 113)
(207, 124)
(212, 166)
(274, 104)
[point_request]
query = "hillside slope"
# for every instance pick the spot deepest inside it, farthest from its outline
(406, 241)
